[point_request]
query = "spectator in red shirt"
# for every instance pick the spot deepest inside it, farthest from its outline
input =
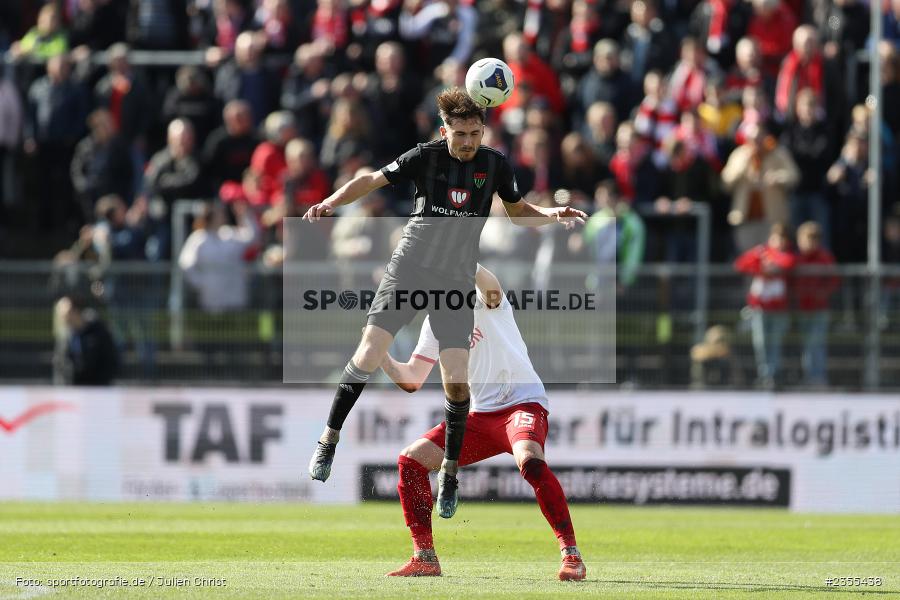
(688, 81)
(268, 162)
(801, 69)
(656, 116)
(527, 67)
(769, 264)
(331, 24)
(812, 293)
(306, 184)
(771, 26)
(632, 167)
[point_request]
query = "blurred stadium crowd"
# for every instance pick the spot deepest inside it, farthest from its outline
(750, 107)
(642, 110)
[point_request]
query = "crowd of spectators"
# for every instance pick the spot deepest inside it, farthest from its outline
(643, 109)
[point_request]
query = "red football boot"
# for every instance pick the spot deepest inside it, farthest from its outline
(572, 568)
(417, 567)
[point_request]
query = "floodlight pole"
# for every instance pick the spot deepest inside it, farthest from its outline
(873, 101)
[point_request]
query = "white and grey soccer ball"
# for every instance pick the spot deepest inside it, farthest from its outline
(490, 82)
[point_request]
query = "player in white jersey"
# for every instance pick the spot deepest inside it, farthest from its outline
(509, 415)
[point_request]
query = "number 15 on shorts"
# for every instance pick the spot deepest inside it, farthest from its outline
(523, 420)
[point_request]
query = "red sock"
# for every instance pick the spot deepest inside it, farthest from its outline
(415, 498)
(551, 499)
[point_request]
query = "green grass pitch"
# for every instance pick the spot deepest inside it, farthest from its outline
(487, 551)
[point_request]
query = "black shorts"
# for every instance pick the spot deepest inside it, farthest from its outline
(407, 288)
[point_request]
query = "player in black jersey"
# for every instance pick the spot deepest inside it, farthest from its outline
(455, 178)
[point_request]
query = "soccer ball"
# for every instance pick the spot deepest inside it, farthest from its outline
(490, 82)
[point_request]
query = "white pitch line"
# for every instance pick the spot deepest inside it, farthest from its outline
(35, 591)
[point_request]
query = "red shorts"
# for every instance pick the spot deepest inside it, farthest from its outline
(491, 433)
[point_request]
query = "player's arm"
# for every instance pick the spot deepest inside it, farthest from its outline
(408, 376)
(529, 215)
(489, 286)
(348, 193)
(405, 168)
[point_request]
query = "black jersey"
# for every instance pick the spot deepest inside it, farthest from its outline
(453, 199)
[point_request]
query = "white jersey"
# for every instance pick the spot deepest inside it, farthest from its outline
(500, 373)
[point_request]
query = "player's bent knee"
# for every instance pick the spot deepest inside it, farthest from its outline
(372, 348)
(526, 450)
(408, 452)
(425, 452)
(368, 357)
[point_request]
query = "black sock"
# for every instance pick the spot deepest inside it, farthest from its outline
(351, 385)
(455, 414)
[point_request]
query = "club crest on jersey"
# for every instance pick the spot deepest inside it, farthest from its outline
(458, 196)
(480, 178)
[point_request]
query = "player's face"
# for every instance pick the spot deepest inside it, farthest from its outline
(463, 138)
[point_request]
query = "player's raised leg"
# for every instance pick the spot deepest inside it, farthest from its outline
(454, 373)
(414, 464)
(368, 356)
(527, 430)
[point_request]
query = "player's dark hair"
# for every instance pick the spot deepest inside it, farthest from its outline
(455, 103)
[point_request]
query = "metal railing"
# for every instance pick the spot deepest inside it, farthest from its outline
(146, 58)
(656, 326)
